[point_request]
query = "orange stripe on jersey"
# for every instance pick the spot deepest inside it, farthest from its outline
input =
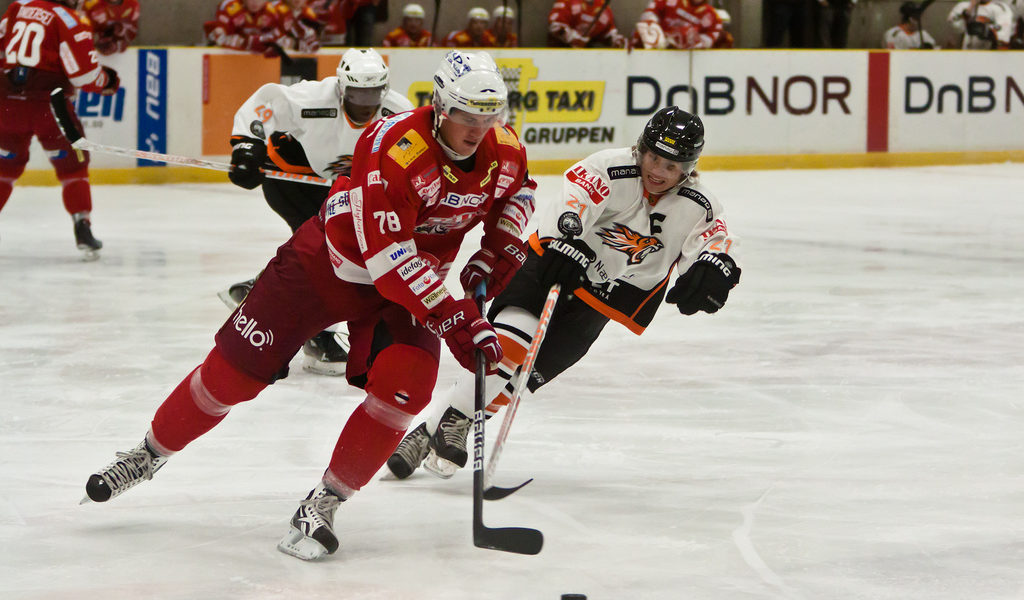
(503, 399)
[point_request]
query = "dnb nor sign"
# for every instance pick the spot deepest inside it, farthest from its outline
(152, 108)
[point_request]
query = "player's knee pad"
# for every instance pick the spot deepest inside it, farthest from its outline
(223, 385)
(403, 376)
(12, 163)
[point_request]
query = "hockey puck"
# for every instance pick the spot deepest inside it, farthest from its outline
(574, 597)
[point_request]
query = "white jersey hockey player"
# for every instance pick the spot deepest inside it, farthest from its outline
(627, 218)
(310, 127)
(986, 24)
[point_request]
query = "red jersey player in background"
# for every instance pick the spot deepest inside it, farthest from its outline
(115, 23)
(473, 35)
(502, 32)
(45, 45)
(678, 24)
(571, 23)
(333, 23)
(410, 34)
(242, 25)
(376, 257)
(296, 26)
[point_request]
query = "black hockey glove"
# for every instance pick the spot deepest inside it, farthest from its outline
(565, 262)
(706, 285)
(246, 160)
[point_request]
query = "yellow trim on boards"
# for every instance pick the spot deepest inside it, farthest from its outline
(175, 174)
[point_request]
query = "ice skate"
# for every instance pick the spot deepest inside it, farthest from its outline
(128, 470)
(410, 453)
(312, 527)
(234, 295)
(448, 444)
(88, 244)
(324, 355)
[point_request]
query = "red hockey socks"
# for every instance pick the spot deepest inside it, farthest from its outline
(199, 402)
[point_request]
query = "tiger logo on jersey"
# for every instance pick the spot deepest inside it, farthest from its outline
(631, 243)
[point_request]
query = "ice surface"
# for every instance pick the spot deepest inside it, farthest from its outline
(849, 427)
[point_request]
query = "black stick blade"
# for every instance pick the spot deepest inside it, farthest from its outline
(519, 540)
(59, 108)
(497, 493)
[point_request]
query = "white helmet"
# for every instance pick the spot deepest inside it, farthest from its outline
(362, 83)
(413, 11)
(478, 13)
(503, 11)
(470, 82)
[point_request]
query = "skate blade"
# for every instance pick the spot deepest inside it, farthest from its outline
(88, 254)
(85, 500)
(442, 467)
(332, 369)
(300, 546)
(225, 297)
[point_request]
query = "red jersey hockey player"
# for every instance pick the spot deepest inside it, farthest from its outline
(296, 26)
(502, 33)
(627, 218)
(571, 23)
(115, 23)
(376, 258)
(410, 34)
(473, 35)
(45, 45)
(242, 25)
(678, 24)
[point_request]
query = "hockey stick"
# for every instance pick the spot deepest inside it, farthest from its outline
(597, 16)
(59, 107)
(437, 13)
(520, 540)
(497, 493)
(920, 21)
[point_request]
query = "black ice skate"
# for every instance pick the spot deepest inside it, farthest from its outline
(410, 453)
(448, 444)
(234, 295)
(312, 527)
(128, 470)
(84, 238)
(324, 355)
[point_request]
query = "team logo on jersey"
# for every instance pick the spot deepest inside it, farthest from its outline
(319, 113)
(569, 224)
(256, 127)
(592, 184)
(342, 165)
(627, 172)
(506, 137)
(427, 185)
(633, 244)
(699, 198)
(407, 149)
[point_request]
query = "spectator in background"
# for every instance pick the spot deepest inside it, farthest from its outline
(782, 17)
(242, 25)
(986, 25)
(473, 35)
(115, 23)
(725, 40)
(1017, 34)
(583, 24)
(908, 34)
(332, 24)
(677, 24)
(502, 32)
(361, 16)
(297, 26)
(410, 34)
(832, 21)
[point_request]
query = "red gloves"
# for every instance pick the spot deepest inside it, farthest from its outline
(496, 262)
(460, 325)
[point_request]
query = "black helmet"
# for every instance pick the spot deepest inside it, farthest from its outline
(909, 10)
(674, 134)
